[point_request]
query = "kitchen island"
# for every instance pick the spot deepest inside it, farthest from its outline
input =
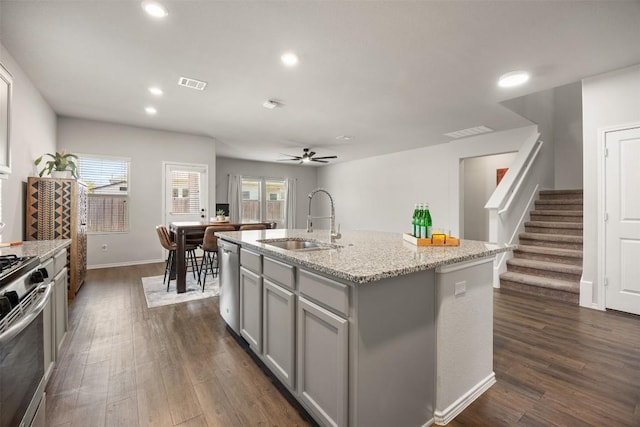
(369, 330)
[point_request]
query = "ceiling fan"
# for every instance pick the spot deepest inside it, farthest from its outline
(307, 156)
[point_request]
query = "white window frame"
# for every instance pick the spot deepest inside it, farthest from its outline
(118, 158)
(263, 195)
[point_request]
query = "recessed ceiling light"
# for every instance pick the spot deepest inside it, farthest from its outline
(154, 9)
(150, 110)
(344, 137)
(154, 90)
(271, 104)
(514, 78)
(289, 59)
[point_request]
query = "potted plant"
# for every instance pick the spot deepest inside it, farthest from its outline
(61, 165)
(220, 215)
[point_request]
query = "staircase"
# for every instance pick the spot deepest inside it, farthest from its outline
(548, 260)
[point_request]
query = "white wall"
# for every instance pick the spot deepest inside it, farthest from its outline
(147, 149)
(609, 100)
(379, 193)
(479, 184)
(558, 114)
(306, 177)
(33, 133)
(567, 135)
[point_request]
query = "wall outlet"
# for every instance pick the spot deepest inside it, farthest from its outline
(104, 247)
(460, 288)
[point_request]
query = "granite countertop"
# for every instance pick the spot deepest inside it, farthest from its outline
(363, 256)
(40, 248)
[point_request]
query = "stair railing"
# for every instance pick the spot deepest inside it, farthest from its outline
(505, 225)
(511, 183)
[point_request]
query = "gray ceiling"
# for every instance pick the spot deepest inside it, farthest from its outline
(396, 75)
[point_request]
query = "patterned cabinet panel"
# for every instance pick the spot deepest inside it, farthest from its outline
(57, 209)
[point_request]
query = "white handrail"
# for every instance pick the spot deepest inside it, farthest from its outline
(514, 175)
(522, 177)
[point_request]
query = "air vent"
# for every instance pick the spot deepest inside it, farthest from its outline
(192, 83)
(469, 132)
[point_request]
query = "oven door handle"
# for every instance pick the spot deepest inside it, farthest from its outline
(26, 320)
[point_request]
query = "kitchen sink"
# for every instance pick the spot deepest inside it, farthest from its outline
(298, 244)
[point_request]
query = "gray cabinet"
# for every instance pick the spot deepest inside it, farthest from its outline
(60, 297)
(251, 308)
(323, 363)
(49, 345)
(279, 331)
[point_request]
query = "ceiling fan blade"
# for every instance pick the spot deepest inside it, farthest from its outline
(325, 157)
(289, 160)
(319, 161)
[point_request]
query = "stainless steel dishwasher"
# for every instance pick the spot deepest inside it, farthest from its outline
(229, 258)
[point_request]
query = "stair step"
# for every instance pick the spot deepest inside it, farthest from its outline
(556, 215)
(560, 194)
(543, 253)
(560, 290)
(546, 269)
(564, 204)
(552, 227)
(551, 240)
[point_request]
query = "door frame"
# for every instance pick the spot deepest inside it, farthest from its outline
(166, 163)
(600, 292)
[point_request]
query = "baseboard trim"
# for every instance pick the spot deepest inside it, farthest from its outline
(445, 416)
(125, 264)
(428, 423)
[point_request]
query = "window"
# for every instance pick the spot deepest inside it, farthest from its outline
(107, 180)
(263, 200)
(185, 192)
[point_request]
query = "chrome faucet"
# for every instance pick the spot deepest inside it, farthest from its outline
(334, 235)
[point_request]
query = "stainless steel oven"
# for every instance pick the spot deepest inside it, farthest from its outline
(22, 345)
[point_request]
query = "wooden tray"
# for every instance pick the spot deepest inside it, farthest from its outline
(436, 240)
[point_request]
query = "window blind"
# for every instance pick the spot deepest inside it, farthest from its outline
(185, 192)
(107, 182)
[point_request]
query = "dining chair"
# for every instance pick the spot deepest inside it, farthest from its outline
(252, 227)
(210, 249)
(171, 246)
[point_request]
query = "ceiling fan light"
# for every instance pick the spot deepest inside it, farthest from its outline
(513, 78)
(306, 159)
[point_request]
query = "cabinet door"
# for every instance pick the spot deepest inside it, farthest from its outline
(251, 308)
(60, 309)
(323, 363)
(49, 344)
(279, 332)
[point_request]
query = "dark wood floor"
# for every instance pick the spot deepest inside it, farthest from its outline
(126, 365)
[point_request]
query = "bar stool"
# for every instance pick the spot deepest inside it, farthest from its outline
(252, 227)
(190, 251)
(210, 248)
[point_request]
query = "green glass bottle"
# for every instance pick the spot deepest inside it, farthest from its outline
(414, 221)
(422, 222)
(428, 223)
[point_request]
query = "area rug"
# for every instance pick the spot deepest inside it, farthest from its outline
(156, 292)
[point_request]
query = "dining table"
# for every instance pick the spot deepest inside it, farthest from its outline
(193, 231)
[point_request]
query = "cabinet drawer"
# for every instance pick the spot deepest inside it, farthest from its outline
(60, 261)
(326, 292)
(251, 261)
(279, 272)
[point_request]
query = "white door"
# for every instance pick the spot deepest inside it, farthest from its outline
(622, 227)
(185, 192)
